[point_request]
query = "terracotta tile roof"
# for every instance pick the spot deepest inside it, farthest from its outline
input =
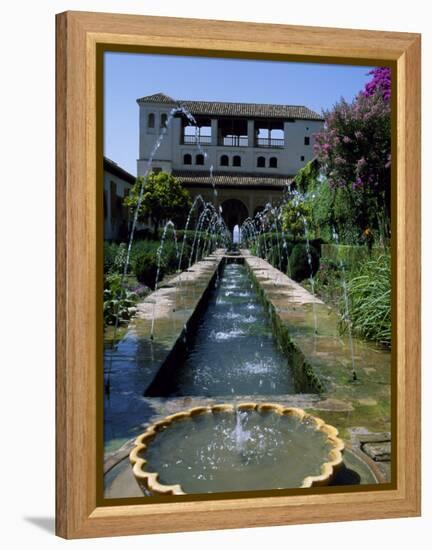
(113, 168)
(238, 179)
(223, 108)
(157, 98)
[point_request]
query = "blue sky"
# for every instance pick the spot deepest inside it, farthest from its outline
(130, 76)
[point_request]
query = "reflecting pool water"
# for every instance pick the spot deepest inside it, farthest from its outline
(205, 454)
(233, 351)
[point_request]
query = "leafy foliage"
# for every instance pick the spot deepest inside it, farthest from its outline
(299, 262)
(277, 249)
(351, 256)
(114, 257)
(143, 257)
(163, 198)
(354, 148)
(296, 217)
(333, 209)
(118, 301)
(369, 294)
(146, 266)
(307, 175)
(328, 281)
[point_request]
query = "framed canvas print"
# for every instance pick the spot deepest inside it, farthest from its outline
(238, 274)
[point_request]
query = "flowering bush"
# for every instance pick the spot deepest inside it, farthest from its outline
(380, 83)
(354, 147)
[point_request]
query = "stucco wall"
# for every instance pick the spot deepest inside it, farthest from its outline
(171, 152)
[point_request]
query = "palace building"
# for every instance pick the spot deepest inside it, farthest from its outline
(255, 149)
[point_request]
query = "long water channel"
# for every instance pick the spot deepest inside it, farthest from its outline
(232, 352)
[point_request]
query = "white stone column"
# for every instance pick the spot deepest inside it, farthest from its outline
(214, 131)
(251, 133)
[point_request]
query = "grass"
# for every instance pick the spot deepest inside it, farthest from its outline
(369, 294)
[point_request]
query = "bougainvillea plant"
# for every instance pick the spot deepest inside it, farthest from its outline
(380, 83)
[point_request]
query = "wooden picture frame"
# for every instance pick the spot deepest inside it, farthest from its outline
(78, 205)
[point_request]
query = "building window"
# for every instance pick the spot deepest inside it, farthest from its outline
(151, 120)
(187, 159)
(163, 120)
(199, 159)
(261, 162)
(224, 160)
(273, 162)
(307, 140)
(236, 160)
(302, 158)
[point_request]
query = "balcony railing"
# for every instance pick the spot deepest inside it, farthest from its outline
(193, 140)
(233, 141)
(269, 142)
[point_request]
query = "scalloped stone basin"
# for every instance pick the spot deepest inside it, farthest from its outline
(225, 448)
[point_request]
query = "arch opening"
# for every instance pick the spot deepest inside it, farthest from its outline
(234, 213)
(224, 160)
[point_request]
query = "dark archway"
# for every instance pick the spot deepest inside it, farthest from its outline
(234, 212)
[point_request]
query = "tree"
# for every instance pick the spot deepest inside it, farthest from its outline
(354, 148)
(163, 198)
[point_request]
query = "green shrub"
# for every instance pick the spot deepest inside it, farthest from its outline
(296, 218)
(299, 262)
(114, 255)
(118, 301)
(146, 266)
(144, 252)
(328, 281)
(272, 247)
(278, 245)
(145, 246)
(150, 247)
(369, 294)
(351, 256)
